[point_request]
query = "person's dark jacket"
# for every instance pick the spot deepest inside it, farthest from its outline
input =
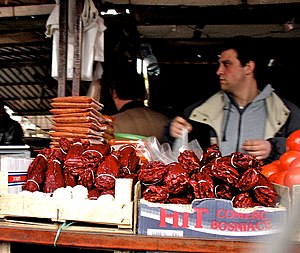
(136, 118)
(284, 115)
(11, 132)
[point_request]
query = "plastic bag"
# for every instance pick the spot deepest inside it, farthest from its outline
(159, 152)
(181, 144)
(167, 154)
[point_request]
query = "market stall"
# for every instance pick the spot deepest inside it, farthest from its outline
(122, 224)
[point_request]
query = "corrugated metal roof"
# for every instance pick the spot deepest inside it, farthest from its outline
(25, 83)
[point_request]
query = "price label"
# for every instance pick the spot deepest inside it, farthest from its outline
(163, 232)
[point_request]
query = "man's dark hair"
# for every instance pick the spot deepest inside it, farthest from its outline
(246, 48)
(249, 49)
(129, 84)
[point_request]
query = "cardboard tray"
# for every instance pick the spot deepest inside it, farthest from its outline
(119, 213)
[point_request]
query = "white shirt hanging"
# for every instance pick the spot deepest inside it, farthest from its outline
(92, 42)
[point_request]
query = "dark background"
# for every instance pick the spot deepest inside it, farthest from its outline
(181, 83)
(177, 33)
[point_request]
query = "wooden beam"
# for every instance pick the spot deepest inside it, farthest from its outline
(26, 10)
(178, 2)
(22, 37)
(93, 239)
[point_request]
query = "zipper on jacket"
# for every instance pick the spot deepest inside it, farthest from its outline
(241, 111)
(226, 122)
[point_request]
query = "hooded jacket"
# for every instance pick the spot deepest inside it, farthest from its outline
(209, 119)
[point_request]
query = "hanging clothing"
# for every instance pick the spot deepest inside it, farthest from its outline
(92, 43)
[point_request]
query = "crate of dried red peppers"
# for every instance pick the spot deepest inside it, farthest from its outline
(85, 177)
(81, 182)
(214, 196)
(82, 177)
(207, 197)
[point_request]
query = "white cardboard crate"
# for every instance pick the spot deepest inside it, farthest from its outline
(120, 213)
(16, 169)
(14, 205)
(292, 201)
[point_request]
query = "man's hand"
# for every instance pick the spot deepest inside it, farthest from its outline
(177, 125)
(261, 149)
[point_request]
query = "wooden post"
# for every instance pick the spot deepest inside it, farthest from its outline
(64, 27)
(63, 48)
(77, 49)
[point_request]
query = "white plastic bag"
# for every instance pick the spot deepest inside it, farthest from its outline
(182, 143)
(166, 154)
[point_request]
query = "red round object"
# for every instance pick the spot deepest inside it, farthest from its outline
(293, 141)
(280, 177)
(272, 177)
(269, 169)
(292, 177)
(295, 164)
(287, 157)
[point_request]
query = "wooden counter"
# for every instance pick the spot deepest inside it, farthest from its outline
(91, 238)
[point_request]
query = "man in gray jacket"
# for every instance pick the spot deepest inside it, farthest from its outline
(240, 117)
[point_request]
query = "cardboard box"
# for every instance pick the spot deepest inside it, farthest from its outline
(118, 213)
(21, 151)
(14, 173)
(211, 218)
(291, 199)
